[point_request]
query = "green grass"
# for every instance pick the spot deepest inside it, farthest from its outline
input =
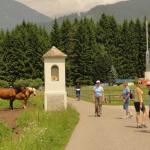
(112, 93)
(42, 130)
(5, 132)
(5, 103)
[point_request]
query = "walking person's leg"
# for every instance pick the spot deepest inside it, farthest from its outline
(143, 115)
(137, 109)
(79, 96)
(125, 107)
(96, 106)
(138, 120)
(129, 115)
(100, 104)
(149, 112)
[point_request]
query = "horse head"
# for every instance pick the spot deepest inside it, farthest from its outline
(31, 90)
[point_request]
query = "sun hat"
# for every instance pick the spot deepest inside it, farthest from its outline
(98, 81)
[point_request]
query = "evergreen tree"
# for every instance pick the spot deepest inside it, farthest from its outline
(55, 34)
(85, 46)
(102, 65)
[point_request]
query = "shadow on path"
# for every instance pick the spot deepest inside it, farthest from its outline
(144, 131)
(131, 126)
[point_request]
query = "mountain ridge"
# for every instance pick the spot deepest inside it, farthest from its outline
(123, 10)
(13, 13)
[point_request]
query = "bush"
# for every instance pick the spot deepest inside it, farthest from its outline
(4, 83)
(21, 83)
(36, 83)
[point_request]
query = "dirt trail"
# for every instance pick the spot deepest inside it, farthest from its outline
(10, 116)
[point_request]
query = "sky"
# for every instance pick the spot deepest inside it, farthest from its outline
(57, 8)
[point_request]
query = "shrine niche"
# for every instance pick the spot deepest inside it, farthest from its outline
(55, 73)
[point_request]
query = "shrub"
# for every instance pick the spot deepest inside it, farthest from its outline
(36, 83)
(21, 83)
(4, 83)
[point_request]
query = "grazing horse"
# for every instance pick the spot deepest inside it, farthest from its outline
(10, 93)
(25, 94)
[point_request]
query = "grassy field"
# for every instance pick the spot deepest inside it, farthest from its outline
(40, 130)
(112, 94)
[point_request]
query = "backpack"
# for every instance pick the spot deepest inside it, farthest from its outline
(131, 94)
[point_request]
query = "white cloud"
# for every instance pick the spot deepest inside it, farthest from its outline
(55, 8)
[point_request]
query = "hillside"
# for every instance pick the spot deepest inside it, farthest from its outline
(13, 13)
(131, 9)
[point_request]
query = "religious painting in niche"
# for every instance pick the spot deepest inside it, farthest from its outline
(55, 73)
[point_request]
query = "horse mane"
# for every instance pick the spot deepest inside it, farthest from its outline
(18, 89)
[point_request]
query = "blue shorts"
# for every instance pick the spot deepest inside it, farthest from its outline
(126, 105)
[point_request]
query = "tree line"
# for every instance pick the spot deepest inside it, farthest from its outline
(103, 50)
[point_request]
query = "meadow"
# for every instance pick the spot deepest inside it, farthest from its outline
(39, 130)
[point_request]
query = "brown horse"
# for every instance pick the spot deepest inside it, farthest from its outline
(25, 94)
(10, 94)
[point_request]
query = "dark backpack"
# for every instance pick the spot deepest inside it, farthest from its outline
(131, 94)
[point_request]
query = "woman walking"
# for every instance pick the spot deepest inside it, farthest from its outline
(139, 107)
(98, 97)
(126, 100)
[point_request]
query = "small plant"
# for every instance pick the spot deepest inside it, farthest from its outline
(4, 83)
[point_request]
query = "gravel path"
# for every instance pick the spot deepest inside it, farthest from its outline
(109, 132)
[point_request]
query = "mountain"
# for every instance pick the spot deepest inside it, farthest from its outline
(130, 9)
(13, 13)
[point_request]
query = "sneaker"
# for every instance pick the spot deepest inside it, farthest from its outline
(139, 126)
(126, 117)
(98, 115)
(144, 126)
(130, 116)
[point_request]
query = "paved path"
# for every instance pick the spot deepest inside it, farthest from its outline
(110, 132)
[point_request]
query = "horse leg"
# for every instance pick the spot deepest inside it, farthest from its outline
(11, 103)
(25, 104)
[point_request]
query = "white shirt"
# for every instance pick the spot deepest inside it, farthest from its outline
(98, 90)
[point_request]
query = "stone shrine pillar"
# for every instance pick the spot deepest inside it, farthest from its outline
(54, 73)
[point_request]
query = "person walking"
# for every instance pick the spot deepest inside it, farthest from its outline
(78, 90)
(98, 98)
(139, 107)
(126, 100)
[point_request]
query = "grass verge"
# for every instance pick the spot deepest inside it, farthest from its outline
(41, 130)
